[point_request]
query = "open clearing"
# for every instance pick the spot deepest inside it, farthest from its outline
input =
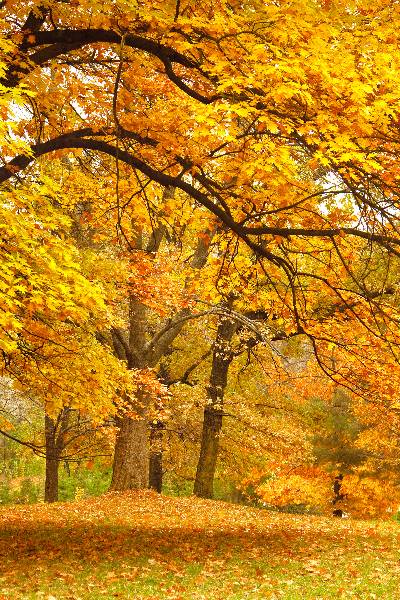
(142, 545)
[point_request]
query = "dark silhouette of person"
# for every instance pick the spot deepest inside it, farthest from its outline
(337, 486)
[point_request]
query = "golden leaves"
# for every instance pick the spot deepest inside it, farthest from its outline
(145, 543)
(51, 310)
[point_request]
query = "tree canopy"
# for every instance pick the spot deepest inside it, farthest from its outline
(169, 161)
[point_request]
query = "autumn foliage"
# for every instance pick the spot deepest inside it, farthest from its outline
(200, 239)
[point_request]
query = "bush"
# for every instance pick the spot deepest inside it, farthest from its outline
(176, 486)
(93, 481)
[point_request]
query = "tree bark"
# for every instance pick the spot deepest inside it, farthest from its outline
(51, 483)
(212, 425)
(338, 496)
(156, 456)
(52, 461)
(213, 412)
(131, 456)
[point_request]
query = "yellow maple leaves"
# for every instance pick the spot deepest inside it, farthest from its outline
(50, 310)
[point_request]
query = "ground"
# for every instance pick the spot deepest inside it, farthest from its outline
(142, 545)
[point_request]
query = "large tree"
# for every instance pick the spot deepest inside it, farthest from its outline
(247, 111)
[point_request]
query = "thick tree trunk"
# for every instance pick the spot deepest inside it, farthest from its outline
(52, 461)
(131, 456)
(213, 412)
(156, 456)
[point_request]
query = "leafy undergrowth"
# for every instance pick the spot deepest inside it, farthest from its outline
(141, 545)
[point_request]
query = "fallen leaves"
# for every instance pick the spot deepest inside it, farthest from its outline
(142, 545)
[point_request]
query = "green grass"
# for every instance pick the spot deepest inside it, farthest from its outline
(137, 546)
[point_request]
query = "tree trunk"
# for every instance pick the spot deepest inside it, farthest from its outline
(131, 456)
(212, 425)
(51, 483)
(213, 412)
(156, 456)
(52, 461)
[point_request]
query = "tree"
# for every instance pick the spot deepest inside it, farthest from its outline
(324, 179)
(142, 347)
(253, 119)
(51, 311)
(258, 421)
(67, 438)
(213, 412)
(342, 471)
(335, 433)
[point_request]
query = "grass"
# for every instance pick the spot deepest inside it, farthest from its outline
(141, 545)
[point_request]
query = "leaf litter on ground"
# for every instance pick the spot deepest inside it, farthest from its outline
(143, 545)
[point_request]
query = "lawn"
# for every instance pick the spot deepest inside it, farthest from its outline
(141, 545)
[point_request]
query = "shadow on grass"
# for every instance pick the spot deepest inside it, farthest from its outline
(98, 542)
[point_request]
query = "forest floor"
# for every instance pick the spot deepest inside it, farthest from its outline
(142, 545)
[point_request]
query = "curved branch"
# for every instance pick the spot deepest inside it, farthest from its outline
(331, 233)
(62, 41)
(83, 37)
(34, 447)
(78, 140)
(71, 140)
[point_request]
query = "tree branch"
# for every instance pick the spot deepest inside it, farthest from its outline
(34, 447)
(75, 140)
(62, 41)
